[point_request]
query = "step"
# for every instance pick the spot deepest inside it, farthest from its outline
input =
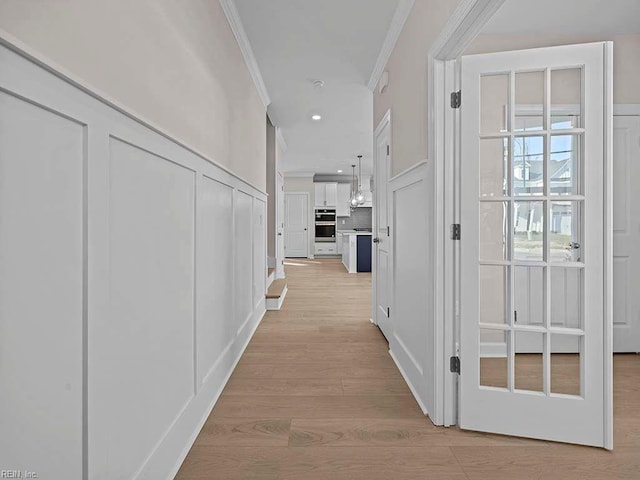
(276, 293)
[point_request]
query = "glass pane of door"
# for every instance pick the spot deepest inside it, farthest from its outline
(522, 255)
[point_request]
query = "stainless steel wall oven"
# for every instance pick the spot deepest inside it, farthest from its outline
(325, 225)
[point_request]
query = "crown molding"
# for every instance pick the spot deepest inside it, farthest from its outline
(233, 17)
(464, 24)
(280, 139)
(397, 23)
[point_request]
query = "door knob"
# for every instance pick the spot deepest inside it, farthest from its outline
(279, 234)
(376, 240)
(574, 245)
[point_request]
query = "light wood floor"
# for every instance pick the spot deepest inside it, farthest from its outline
(316, 396)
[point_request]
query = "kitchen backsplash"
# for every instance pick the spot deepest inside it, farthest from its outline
(360, 218)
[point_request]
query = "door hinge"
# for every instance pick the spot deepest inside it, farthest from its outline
(454, 364)
(388, 151)
(455, 231)
(456, 99)
(388, 312)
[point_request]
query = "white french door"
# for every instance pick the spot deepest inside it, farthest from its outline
(382, 240)
(535, 333)
(296, 221)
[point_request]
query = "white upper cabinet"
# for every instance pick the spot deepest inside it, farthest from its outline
(321, 195)
(344, 192)
(336, 195)
(331, 194)
(326, 194)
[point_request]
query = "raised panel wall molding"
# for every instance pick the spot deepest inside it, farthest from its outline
(412, 260)
(162, 246)
(41, 280)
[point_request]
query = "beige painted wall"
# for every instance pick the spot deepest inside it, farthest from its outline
(406, 94)
(304, 184)
(175, 63)
(626, 56)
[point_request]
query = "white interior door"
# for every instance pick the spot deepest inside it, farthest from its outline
(533, 308)
(382, 241)
(279, 226)
(626, 233)
(296, 209)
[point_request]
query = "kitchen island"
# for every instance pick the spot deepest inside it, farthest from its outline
(356, 250)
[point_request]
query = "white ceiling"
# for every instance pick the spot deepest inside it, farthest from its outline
(337, 41)
(569, 17)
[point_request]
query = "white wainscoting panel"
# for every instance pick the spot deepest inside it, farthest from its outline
(151, 286)
(41, 275)
(259, 260)
(215, 274)
(244, 260)
(132, 277)
(412, 311)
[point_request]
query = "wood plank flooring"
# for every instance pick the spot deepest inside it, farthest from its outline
(316, 396)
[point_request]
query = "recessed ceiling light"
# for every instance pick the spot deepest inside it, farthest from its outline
(339, 171)
(316, 117)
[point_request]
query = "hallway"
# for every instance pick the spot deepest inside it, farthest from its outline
(317, 396)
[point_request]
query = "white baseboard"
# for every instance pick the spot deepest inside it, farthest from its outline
(414, 391)
(200, 423)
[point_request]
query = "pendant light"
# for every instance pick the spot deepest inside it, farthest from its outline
(360, 194)
(353, 202)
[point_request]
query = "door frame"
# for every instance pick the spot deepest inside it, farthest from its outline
(280, 206)
(384, 122)
(284, 230)
(625, 110)
(443, 77)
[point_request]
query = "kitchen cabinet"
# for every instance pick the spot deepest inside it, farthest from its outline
(364, 253)
(344, 194)
(356, 251)
(325, 248)
(349, 258)
(326, 194)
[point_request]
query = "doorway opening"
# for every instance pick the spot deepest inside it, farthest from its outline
(560, 222)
